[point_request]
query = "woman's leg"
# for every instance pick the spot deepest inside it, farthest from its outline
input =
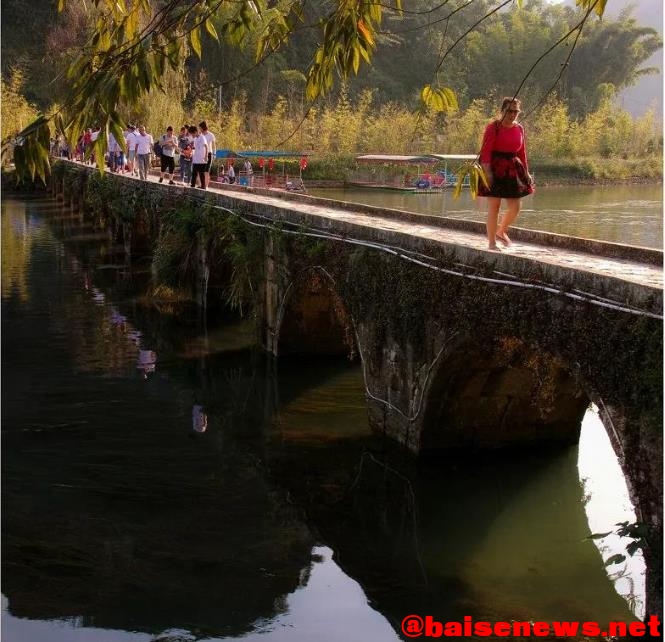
(513, 206)
(493, 205)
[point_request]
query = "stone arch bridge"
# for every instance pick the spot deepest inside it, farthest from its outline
(463, 348)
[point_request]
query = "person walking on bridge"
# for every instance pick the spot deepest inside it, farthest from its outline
(199, 157)
(168, 143)
(144, 143)
(212, 148)
(503, 158)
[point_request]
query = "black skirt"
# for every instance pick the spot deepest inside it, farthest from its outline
(510, 179)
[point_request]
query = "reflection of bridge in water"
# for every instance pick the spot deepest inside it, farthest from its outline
(462, 348)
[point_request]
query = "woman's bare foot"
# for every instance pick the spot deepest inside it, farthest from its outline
(494, 248)
(503, 237)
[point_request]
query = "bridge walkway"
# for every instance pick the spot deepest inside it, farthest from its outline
(641, 267)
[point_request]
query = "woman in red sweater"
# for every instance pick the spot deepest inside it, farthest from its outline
(503, 157)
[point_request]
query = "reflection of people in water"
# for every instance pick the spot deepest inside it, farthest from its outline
(199, 419)
(98, 296)
(118, 319)
(146, 361)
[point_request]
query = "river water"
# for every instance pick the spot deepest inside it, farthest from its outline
(631, 214)
(162, 479)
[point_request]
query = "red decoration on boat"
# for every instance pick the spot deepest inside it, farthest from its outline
(303, 163)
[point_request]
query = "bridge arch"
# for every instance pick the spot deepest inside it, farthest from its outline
(512, 394)
(491, 399)
(312, 318)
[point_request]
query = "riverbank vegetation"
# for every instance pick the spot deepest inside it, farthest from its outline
(607, 144)
(566, 67)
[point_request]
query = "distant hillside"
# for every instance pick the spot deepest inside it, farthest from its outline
(23, 32)
(649, 90)
(397, 72)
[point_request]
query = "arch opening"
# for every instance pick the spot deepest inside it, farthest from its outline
(607, 503)
(315, 320)
(514, 397)
(509, 395)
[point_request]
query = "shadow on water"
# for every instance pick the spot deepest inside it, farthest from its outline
(159, 476)
(500, 538)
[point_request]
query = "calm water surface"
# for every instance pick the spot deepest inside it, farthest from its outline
(630, 214)
(163, 480)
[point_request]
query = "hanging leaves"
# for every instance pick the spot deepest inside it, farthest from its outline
(195, 41)
(31, 153)
(126, 56)
(596, 5)
(349, 36)
(441, 99)
(135, 43)
(475, 173)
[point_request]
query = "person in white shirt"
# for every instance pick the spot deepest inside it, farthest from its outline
(144, 144)
(199, 158)
(114, 152)
(212, 147)
(169, 143)
(94, 135)
(130, 141)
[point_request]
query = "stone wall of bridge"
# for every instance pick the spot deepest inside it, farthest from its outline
(452, 362)
(460, 349)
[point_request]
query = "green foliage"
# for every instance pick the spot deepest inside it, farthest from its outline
(330, 167)
(136, 53)
(174, 260)
(502, 51)
(245, 252)
(636, 531)
(231, 245)
(349, 36)
(17, 111)
(103, 197)
(158, 109)
(612, 52)
(27, 145)
(31, 151)
(272, 128)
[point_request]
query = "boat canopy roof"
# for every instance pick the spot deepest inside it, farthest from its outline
(226, 153)
(229, 153)
(454, 157)
(395, 159)
(267, 153)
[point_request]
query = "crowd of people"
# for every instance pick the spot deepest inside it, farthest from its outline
(191, 152)
(502, 156)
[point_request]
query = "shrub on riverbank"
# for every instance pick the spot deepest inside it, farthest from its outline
(341, 168)
(597, 170)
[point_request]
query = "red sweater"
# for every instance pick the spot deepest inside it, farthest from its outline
(503, 139)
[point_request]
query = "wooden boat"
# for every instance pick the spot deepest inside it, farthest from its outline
(427, 173)
(264, 172)
(393, 171)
